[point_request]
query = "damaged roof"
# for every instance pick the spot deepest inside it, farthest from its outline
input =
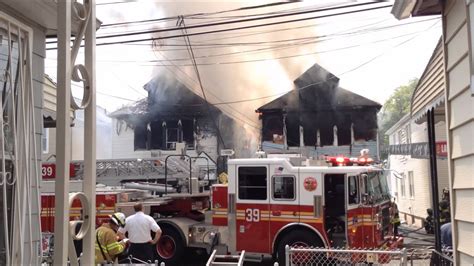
(166, 97)
(317, 89)
(139, 107)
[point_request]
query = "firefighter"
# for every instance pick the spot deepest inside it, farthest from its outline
(395, 220)
(107, 246)
(444, 213)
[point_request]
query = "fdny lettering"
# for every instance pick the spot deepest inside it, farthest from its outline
(252, 215)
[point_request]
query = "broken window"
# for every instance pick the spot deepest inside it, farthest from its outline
(156, 141)
(293, 130)
(188, 133)
(140, 137)
(365, 126)
(172, 134)
(166, 133)
(273, 128)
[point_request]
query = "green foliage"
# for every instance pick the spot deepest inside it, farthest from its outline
(395, 108)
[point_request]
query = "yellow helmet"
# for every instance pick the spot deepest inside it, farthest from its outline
(118, 218)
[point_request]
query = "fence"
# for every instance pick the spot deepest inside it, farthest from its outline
(323, 256)
(309, 256)
(430, 257)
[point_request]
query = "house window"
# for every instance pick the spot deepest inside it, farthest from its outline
(45, 140)
(164, 134)
(395, 189)
(402, 185)
(411, 185)
(273, 128)
(172, 136)
(140, 137)
(253, 183)
(283, 187)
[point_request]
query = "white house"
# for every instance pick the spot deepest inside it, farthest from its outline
(410, 181)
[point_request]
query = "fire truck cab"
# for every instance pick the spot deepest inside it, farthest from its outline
(272, 202)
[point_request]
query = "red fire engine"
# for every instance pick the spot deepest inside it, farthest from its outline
(269, 203)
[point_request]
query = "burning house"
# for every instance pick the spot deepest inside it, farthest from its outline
(173, 118)
(319, 118)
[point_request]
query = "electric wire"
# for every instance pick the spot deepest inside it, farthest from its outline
(191, 16)
(263, 59)
(271, 48)
(210, 113)
(213, 24)
(220, 30)
(306, 86)
(247, 120)
(338, 75)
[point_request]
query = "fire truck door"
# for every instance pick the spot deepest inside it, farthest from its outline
(252, 207)
(355, 217)
(284, 205)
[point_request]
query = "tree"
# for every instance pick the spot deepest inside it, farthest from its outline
(397, 106)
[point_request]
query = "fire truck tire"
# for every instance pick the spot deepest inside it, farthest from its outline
(297, 237)
(170, 248)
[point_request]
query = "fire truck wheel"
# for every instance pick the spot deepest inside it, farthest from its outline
(170, 247)
(297, 238)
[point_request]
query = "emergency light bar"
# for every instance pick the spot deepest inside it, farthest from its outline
(346, 161)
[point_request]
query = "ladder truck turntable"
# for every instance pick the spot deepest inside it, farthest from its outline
(269, 203)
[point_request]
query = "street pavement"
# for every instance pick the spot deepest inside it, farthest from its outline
(416, 237)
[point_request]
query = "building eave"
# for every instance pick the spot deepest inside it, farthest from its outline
(402, 8)
(405, 119)
(42, 13)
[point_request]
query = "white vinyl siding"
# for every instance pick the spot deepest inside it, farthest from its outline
(421, 173)
(460, 117)
(123, 141)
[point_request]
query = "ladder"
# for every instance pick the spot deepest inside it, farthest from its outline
(226, 260)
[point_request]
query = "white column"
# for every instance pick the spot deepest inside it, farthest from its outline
(301, 136)
(318, 138)
(335, 140)
(63, 135)
(352, 134)
(90, 138)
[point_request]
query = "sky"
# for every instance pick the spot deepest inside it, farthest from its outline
(371, 52)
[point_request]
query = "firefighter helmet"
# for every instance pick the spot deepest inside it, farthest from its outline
(118, 218)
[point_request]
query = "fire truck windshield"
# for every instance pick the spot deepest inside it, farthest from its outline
(376, 186)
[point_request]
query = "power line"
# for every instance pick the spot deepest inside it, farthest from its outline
(275, 58)
(225, 30)
(335, 76)
(212, 24)
(249, 120)
(273, 48)
(190, 16)
(205, 45)
(191, 53)
(117, 2)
